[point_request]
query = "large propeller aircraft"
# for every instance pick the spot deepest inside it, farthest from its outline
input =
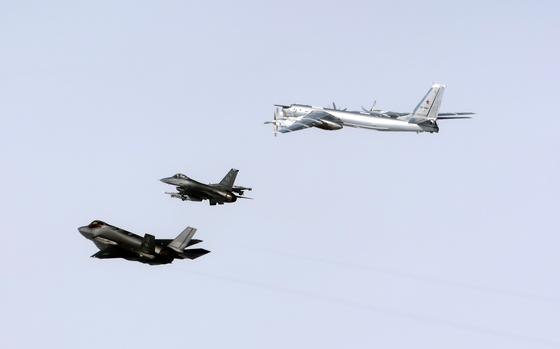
(295, 117)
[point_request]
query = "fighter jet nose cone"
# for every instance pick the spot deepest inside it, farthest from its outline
(85, 231)
(165, 180)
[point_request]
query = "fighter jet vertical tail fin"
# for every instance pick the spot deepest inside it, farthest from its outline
(182, 240)
(148, 244)
(428, 107)
(229, 179)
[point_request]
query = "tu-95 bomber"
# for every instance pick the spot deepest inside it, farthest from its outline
(424, 118)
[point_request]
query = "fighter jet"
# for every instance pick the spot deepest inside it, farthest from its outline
(115, 242)
(295, 117)
(189, 189)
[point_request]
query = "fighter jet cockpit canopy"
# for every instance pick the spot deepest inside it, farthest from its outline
(96, 224)
(180, 176)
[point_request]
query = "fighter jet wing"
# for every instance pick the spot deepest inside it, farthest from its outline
(112, 252)
(310, 120)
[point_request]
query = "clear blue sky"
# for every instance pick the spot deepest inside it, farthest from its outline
(355, 238)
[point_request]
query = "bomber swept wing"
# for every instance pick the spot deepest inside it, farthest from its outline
(316, 118)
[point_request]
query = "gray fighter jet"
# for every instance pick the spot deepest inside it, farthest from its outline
(189, 189)
(115, 242)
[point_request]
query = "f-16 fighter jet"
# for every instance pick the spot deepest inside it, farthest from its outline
(423, 118)
(115, 242)
(189, 189)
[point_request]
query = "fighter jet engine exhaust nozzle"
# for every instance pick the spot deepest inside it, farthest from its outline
(232, 197)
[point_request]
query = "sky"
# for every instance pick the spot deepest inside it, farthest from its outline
(354, 238)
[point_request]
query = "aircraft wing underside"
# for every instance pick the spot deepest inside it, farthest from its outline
(315, 118)
(113, 252)
(301, 124)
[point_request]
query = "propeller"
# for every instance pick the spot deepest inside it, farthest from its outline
(334, 107)
(370, 110)
(244, 197)
(275, 124)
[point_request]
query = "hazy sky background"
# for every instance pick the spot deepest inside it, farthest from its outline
(355, 238)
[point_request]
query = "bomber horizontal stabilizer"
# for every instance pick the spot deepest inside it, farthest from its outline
(459, 113)
(454, 117)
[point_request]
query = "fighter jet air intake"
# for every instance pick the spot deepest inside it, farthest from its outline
(189, 189)
(423, 118)
(115, 242)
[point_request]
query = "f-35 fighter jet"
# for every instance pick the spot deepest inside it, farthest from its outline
(189, 189)
(115, 242)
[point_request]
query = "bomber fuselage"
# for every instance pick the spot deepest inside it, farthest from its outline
(357, 119)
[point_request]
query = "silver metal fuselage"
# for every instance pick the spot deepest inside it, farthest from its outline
(351, 119)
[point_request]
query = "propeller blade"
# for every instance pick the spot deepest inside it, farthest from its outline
(244, 197)
(453, 117)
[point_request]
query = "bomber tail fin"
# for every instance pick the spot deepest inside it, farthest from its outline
(229, 179)
(428, 107)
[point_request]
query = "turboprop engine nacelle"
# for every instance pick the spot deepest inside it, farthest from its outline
(330, 125)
